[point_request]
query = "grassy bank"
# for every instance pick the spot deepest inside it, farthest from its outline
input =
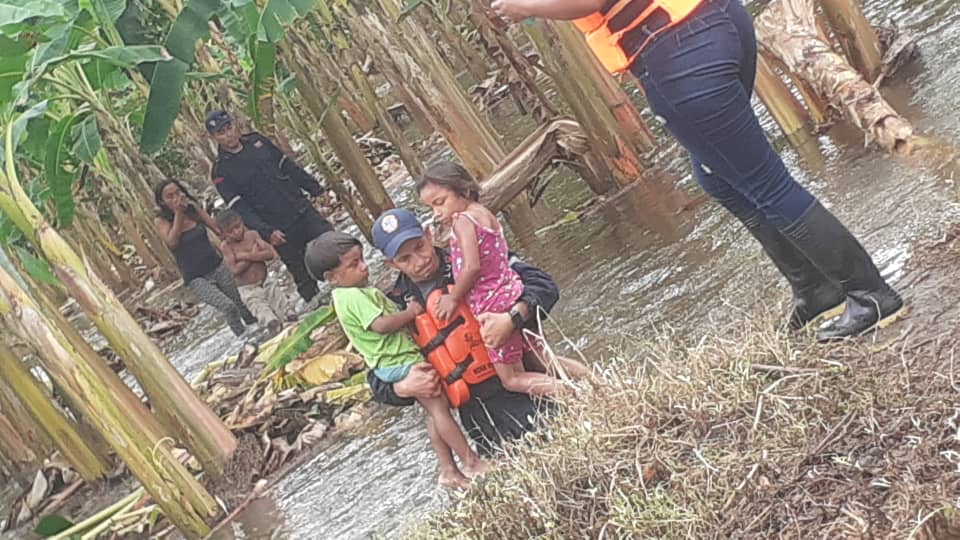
(745, 433)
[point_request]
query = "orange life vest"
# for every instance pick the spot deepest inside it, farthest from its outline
(454, 348)
(606, 28)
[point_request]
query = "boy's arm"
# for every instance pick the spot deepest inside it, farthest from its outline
(394, 322)
(235, 265)
(261, 252)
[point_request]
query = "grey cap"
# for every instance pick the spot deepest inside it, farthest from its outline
(323, 252)
(217, 120)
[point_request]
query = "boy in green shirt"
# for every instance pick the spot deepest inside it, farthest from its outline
(377, 330)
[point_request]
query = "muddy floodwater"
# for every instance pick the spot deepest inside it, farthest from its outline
(628, 264)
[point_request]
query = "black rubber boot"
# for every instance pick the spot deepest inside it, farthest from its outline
(871, 302)
(814, 294)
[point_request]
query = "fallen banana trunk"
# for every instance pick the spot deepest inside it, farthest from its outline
(561, 140)
(788, 30)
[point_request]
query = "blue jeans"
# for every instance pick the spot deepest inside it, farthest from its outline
(698, 77)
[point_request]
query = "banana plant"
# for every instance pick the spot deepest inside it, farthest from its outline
(259, 30)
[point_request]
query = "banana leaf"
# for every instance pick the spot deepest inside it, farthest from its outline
(169, 78)
(58, 179)
(298, 342)
(17, 11)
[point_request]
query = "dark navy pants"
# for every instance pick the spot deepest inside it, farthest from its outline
(698, 77)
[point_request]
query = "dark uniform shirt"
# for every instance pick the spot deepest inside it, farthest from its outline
(263, 185)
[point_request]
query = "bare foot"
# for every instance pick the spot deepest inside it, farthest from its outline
(477, 467)
(453, 479)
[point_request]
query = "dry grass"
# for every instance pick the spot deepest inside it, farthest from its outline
(745, 434)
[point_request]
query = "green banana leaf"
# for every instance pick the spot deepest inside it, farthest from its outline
(17, 11)
(166, 85)
(36, 267)
(87, 137)
(264, 79)
(299, 341)
(58, 179)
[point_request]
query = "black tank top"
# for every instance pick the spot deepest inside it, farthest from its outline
(194, 254)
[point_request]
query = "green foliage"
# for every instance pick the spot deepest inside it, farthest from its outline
(299, 341)
(111, 8)
(13, 12)
(55, 164)
(263, 74)
(279, 13)
(167, 83)
(36, 267)
(87, 139)
(52, 525)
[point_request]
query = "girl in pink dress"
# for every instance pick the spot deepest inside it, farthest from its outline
(481, 270)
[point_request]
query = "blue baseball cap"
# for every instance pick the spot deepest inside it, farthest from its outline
(393, 228)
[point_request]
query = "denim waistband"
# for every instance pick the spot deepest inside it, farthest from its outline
(652, 30)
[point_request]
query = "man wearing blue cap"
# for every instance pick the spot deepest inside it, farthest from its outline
(267, 188)
(493, 413)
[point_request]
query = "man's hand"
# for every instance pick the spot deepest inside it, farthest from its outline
(277, 238)
(495, 328)
(421, 382)
(445, 307)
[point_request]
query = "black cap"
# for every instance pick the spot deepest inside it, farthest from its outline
(323, 252)
(217, 120)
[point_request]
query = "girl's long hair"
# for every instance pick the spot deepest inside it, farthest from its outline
(162, 209)
(453, 177)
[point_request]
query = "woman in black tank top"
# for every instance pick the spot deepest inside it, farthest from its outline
(183, 225)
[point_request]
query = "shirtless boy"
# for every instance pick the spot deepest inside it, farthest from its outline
(247, 255)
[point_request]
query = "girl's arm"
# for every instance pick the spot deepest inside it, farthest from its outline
(565, 10)
(466, 233)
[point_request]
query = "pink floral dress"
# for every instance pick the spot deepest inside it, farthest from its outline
(497, 288)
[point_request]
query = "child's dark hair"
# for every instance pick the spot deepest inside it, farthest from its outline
(226, 218)
(323, 252)
(453, 177)
(163, 210)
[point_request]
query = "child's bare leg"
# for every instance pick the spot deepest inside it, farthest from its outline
(515, 379)
(574, 368)
(447, 429)
(450, 475)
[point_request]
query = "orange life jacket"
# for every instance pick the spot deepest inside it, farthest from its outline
(454, 348)
(606, 28)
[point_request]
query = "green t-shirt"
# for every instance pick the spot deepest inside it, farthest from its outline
(357, 308)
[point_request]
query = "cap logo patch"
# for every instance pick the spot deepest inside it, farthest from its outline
(389, 224)
(258, 144)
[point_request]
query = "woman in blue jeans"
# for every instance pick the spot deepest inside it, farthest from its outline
(696, 60)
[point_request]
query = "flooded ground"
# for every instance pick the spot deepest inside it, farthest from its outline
(636, 262)
(627, 265)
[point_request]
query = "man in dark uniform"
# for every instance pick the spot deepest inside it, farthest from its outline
(267, 189)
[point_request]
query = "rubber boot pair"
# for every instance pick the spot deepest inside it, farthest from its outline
(829, 271)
